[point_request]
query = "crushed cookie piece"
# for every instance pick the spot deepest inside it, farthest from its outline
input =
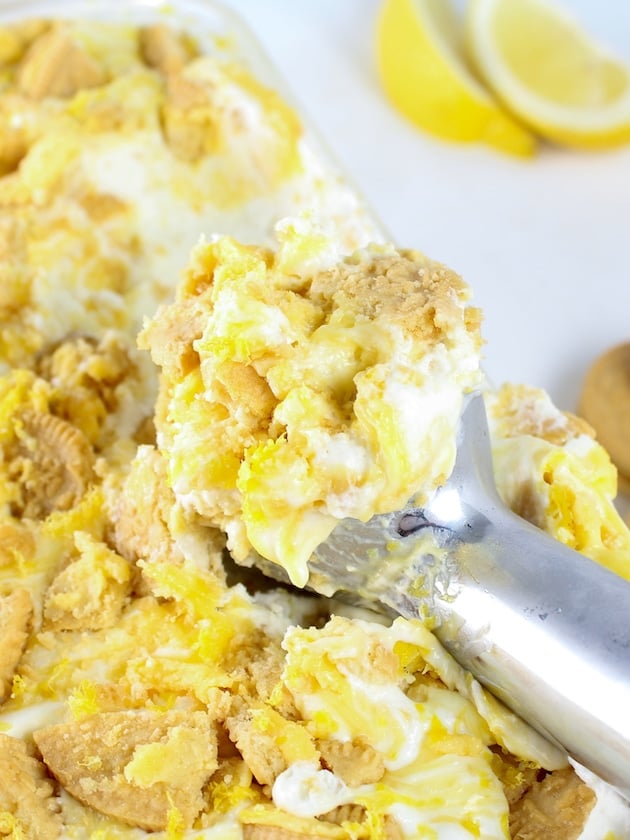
(407, 288)
(355, 763)
(53, 465)
(524, 410)
(353, 813)
(256, 668)
(17, 543)
(90, 592)
(393, 829)
(265, 822)
(143, 509)
(275, 832)
(259, 749)
(556, 806)
(11, 46)
(101, 206)
(516, 776)
(243, 385)
(172, 340)
(189, 120)
(94, 378)
(142, 515)
(16, 611)
(605, 404)
(13, 147)
(230, 786)
(17, 36)
(26, 793)
(55, 65)
(345, 813)
(166, 50)
(134, 765)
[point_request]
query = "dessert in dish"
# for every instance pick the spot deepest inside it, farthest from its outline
(143, 692)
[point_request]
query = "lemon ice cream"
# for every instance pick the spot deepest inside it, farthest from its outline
(143, 692)
(304, 391)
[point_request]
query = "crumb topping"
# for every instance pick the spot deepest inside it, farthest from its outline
(27, 805)
(16, 610)
(559, 803)
(135, 765)
(56, 65)
(142, 688)
(323, 389)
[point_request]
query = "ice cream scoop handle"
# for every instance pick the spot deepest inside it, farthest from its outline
(545, 628)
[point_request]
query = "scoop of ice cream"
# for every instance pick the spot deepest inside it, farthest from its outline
(299, 388)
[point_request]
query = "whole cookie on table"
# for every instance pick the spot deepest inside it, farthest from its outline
(605, 404)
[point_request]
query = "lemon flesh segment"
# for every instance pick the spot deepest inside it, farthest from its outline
(424, 74)
(549, 72)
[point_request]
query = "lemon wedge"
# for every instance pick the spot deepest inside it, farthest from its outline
(549, 72)
(424, 73)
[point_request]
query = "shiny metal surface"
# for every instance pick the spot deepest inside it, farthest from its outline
(544, 628)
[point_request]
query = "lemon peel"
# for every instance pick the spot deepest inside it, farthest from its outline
(550, 72)
(424, 73)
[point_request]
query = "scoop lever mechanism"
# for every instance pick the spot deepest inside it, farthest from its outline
(546, 629)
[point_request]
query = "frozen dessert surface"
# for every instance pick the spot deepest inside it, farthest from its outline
(123, 146)
(306, 377)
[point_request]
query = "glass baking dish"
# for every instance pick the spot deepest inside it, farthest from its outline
(220, 32)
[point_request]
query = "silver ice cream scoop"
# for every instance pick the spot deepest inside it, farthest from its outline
(544, 628)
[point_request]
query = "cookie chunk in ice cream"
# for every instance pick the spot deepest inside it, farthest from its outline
(299, 388)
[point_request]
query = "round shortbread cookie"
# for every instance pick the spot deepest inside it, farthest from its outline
(605, 404)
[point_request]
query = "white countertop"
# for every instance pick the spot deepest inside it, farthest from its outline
(544, 242)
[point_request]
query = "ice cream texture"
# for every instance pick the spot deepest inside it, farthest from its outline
(306, 371)
(308, 388)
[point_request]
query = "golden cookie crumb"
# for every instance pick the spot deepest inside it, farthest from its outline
(516, 776)
(353, 813)
(90, 592)
(259, 749)
(144, 514)
(16, 611)
(12, 148)
(190, 121)
(355, 763)
(605, 404)
(522, 410)
(17, 543)
(17, 36)
(345, 813)
(164, 49)
(407, 288)
(53, 464)
(134, 765)
(555, 807)
(26, 794)
(55, 65)
(275, 832)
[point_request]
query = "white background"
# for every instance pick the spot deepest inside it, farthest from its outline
(545, 243)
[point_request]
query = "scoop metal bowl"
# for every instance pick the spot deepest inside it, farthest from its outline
(543, 627)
